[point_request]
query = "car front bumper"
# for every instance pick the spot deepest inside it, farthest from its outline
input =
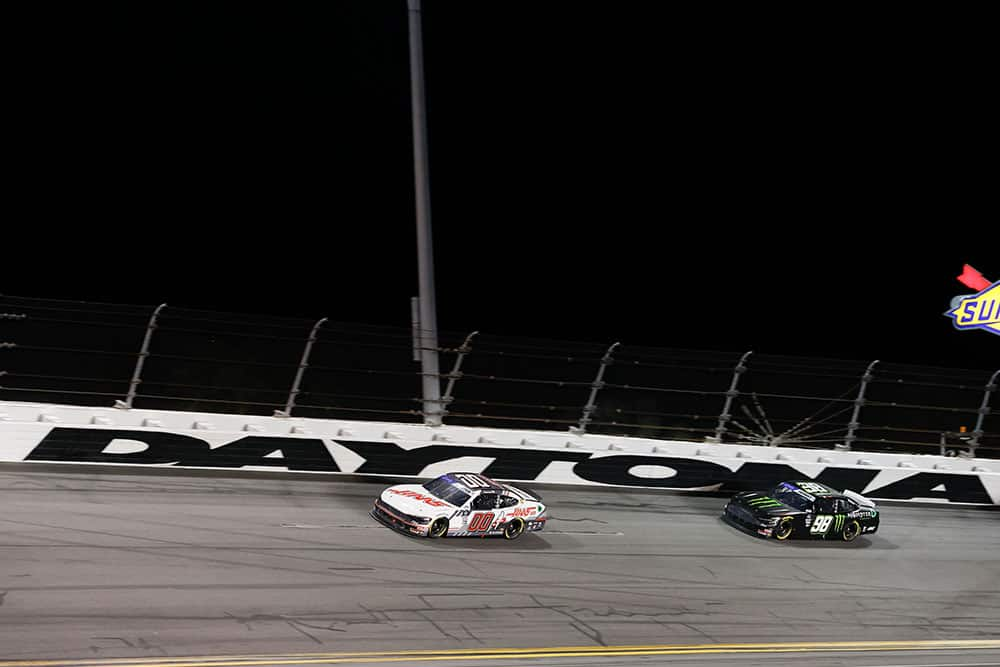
(385, 515)
(744, 518)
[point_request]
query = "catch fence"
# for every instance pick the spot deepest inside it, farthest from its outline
(173, 358)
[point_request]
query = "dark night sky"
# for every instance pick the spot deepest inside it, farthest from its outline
(794, 184)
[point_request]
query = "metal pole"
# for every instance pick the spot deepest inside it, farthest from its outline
(303, 365)
(853, 425)
(725, 416)
(133, 384)
(431, 380)
(456, 371)
(415, 320)
(595, 387)
(984, 410)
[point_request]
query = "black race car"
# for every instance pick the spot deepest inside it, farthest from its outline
(803, 509)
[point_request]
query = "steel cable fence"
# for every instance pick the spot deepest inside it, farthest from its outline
(206, 361)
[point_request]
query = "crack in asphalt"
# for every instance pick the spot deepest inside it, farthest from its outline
(581, 626)
(294, 623)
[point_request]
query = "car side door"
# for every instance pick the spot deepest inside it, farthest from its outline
(460, 519)
(483, 514)
(824, 517)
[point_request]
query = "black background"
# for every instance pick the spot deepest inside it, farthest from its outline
(790, 182)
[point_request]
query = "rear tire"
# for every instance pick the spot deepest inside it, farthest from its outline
(514, 529)
(851, 530)
(438, 529)
(784, 529)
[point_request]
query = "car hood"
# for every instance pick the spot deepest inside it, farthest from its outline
(414, 499)
(762, 504)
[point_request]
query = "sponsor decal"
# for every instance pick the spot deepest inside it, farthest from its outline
(75, 444)
(427, 500)
(524, 511)
(758, 503)
(980, 310)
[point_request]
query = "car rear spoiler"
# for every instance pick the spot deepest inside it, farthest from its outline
(859, 499)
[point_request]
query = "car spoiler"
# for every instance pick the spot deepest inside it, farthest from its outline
(859, 499)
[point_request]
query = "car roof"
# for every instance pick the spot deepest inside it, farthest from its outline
(484, 482)
(813, 488)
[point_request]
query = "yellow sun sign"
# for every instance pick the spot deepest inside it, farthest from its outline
(978, 311)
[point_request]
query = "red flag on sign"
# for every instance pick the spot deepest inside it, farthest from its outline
(972, 278)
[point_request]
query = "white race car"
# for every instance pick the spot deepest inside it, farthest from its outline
(460, 504)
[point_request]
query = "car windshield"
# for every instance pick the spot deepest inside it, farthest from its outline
(448, 490)
(791, 498)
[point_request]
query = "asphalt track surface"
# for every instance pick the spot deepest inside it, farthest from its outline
(98, 565)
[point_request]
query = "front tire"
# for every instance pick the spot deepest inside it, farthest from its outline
(438, 529)
(851, 530)
(784, 529)
(514, 529)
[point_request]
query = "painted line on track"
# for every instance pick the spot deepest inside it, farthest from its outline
(512, 653)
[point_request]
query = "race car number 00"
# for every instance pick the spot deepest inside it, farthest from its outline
(480, 522)
(822, 523)
(472, 481)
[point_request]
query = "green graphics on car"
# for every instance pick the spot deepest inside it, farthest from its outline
(803, 509)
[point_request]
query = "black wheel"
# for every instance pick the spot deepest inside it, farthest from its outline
(438, 529)
(513, 529)
(784, 529)
(851, 530)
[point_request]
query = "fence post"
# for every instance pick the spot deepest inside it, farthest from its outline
(730, 395)
(595, 387)
(853, 425)
(133, 384)
(456, 372)
(303, 365)
(984, 410)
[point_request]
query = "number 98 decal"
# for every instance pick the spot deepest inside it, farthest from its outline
(823, 522)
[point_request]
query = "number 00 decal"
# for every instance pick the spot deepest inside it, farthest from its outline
(480, 522)
(472, 481)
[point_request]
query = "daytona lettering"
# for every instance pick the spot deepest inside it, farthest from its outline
(76, 444)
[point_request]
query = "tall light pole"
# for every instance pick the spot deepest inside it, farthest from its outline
(427, 308)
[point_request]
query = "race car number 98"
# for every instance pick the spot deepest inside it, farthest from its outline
(821, 524)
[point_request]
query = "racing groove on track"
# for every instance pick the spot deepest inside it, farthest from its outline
(103, 565)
